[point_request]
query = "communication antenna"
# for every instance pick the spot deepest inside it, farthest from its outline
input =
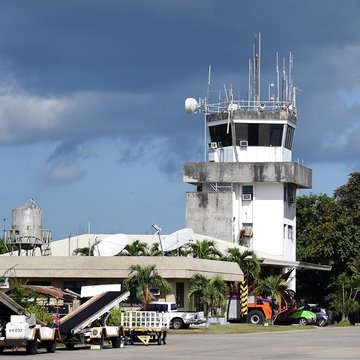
(157, 232)
(250, 81)
(226, 93)
(209, 84)
(283, 83)
(277, 77)
(291, 67)
(177, 239)
(111, 245)
(257, 68)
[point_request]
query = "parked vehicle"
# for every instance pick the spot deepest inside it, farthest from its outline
(301, 316)
(22, 331)
(322, 316)
(145, 326)
(20, 328)
(260, 309)
(178, 319)
(77, 327)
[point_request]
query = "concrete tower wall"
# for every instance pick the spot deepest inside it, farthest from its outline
(210, 213)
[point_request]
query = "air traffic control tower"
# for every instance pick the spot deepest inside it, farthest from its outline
(246, 187)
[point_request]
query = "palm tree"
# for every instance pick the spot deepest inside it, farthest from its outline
(84, 251)
(273, 287)
(142, 280)
(250, 266)
(212, 292)
(136, 248)
(154, 250)
(205, 249)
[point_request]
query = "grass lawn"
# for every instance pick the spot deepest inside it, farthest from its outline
(239, 329)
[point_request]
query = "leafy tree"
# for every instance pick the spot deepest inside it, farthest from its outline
(344, 299)
(328, 231)
(247, 260)
(3, 249)
(141, 280)
(40, 313)
(272, 286)
(205, 249)
(212, 292)
(154, 250)
(136, 248)
(23, 296)
(84, 251)
(115, 317)
(250, 266)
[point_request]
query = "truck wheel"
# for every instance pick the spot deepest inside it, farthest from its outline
(31, 347)
(115, 343)
(50, 346)
(101, 340)
(159, 340)
(303, 321)
(1, 350)
(164, 338)
(255, 317)
(177, 323)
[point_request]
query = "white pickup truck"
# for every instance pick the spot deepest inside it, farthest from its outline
(178, 319)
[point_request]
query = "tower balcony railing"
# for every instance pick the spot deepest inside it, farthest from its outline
(247, 105)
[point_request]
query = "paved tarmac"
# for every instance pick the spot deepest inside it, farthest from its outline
(319, 343)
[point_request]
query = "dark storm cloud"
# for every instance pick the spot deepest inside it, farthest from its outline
(135, 45)
(86, 70)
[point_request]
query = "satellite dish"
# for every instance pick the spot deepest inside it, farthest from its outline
(177, 239)
(233, 107)
(191, 105)
(111, 245)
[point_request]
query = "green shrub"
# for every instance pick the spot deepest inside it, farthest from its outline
(115, 317)
(40, 313)
(343, 323)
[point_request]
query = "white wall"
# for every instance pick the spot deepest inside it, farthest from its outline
(250, 154)
(268, 215)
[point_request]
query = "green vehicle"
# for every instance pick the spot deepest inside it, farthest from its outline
(301, 317)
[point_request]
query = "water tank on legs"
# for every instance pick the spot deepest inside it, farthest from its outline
(27, 235)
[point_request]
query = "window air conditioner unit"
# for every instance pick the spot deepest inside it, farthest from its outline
(246, 196)
(155, 292)
(243, 143)
(213, 145)
(291, 199)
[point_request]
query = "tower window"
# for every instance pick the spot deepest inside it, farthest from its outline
(247, 189)
(289, 137)
(290, 232)
(218, 134)
(180, 294)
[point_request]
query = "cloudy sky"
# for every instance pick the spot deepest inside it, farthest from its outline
(92, 121)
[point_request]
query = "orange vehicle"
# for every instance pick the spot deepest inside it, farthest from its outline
(260, 309)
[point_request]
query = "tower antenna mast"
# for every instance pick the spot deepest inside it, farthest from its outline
(277, 77)
(257, 60)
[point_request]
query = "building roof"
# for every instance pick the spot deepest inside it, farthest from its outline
(52, 292)
(115, 267)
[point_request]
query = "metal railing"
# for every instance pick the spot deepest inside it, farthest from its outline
(145, 319)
